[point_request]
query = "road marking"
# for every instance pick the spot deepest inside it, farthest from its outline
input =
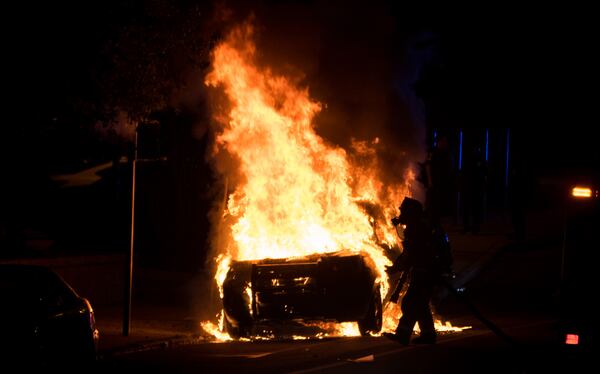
(369, 358)
(265, 354)
(237, 355)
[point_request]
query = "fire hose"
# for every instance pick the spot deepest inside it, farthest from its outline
(477, 314)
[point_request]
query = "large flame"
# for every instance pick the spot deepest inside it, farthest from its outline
(295, 194)
(295, 197)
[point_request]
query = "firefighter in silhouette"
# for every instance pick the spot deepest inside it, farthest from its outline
(418, 260)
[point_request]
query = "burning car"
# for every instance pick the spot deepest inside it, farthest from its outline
(341, 286)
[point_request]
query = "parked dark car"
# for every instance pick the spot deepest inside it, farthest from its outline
(340, 287)
(43, 320)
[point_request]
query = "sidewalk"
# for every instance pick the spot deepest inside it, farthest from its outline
(176, 325)
(167, 309)
(152, 327)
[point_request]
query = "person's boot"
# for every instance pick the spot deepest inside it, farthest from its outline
(426, 337)
(401, 336)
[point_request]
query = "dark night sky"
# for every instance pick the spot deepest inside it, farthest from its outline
(70, 64)
(529, 69)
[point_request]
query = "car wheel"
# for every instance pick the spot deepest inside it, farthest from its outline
(236, 332)
(373, 320)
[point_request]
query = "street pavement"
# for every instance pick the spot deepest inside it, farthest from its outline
(472, 351)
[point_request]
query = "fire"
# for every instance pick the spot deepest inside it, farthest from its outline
(348, 329)
(294, 197)
(295, 194)
(216, 331)
(447, 326)
(223, 262)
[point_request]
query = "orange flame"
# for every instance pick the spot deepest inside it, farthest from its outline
(216, 331)
(295, 194)
(295, 197)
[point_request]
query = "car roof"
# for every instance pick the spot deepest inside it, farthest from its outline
(24, 272)
(29, 277)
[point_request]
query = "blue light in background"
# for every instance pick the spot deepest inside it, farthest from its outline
(435, 138)
(507, 156)
(487, 144)
(460, 147)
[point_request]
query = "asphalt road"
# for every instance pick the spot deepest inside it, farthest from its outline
(477, 350)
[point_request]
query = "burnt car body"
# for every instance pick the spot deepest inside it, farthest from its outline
(43, 320)
(340, 286)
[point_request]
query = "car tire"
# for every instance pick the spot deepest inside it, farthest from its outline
(236, 332)
(373, 321)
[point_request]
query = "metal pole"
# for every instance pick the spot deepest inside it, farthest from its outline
(129, 268)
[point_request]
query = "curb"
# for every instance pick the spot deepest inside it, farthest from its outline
(166, 343)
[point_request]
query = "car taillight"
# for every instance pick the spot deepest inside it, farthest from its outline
(571, 339)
